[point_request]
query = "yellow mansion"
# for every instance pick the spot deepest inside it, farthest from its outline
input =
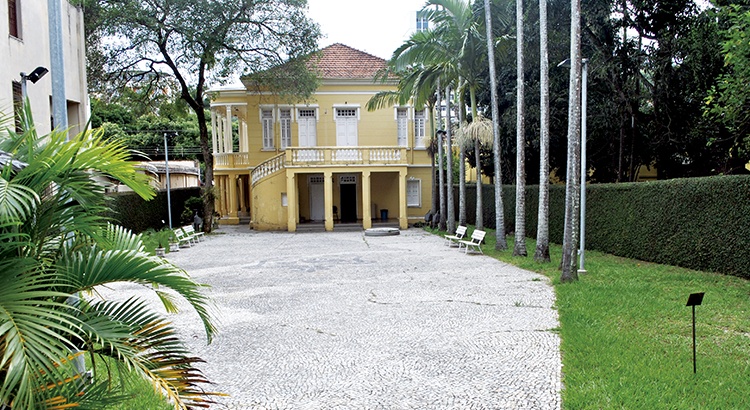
(326, 161)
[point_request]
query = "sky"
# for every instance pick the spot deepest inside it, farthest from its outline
(375, 26)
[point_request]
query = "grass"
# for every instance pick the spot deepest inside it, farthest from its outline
(139, 394)
(627, 334)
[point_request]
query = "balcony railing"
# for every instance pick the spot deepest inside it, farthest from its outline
(311, 156)
(232, 160)
(268, 167)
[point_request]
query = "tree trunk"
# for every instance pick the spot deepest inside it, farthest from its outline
(574, 128)
(208, 188)
(519, 249)
(541, 254)
(441, 159)
(451, 218)
(500, 243)
(479, 224)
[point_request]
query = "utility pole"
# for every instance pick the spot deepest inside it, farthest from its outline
(57, 65)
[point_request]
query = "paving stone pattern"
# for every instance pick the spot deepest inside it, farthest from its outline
(341, 320)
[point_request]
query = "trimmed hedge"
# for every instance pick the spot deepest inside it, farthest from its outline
(132, 212)
(698, 223)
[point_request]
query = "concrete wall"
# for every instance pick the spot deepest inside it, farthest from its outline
(32, 49)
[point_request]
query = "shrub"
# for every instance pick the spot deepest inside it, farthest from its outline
(698, 223)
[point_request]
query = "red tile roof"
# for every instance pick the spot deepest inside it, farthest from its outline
(339, 61)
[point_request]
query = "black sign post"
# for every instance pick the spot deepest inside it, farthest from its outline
(695, 299)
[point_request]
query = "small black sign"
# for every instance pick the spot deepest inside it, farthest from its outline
(695, 299)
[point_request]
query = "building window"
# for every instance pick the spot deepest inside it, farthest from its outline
(14, 18)
(307, 122)
(346, 127)
(285, 119)
(419, 128)
(17, 105)
(402, 123)
(266, 119)
(414, 193)
(422, 21)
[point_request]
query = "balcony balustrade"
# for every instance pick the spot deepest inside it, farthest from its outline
(313, 157)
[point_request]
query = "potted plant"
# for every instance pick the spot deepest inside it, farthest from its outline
(162, 239)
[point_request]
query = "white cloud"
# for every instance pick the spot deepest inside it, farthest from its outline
(376, 27)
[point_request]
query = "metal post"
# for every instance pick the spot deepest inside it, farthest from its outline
(584, 170)
(57, 65)
(24, 93)
(694, 367)
(166, 164)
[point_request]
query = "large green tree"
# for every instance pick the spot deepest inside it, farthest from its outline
(56, 250)
(196, 43)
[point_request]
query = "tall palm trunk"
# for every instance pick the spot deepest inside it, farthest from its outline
(542, 230)
(479, 223)
(461, 163)
(441, 175)
(435, 203)
(500, 243)
(574, 128)
(449, 177)
(519, 249)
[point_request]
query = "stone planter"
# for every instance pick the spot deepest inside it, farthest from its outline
(159, 252)
(174, 247)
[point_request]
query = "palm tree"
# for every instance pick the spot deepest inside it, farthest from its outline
(541, 254)
(460, 28)
(500, 243)
(450, 217)
(56, 249)
(574, 129)
(519, 249)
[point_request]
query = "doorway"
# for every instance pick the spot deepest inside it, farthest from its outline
(348, 194)
(317, 198)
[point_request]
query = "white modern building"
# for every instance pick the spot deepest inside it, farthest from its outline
(25, 45)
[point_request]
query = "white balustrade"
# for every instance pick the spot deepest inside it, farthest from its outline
(269, 167)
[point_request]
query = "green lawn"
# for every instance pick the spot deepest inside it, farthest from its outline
(627, 334)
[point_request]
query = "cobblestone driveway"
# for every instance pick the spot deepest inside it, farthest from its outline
(346, 321)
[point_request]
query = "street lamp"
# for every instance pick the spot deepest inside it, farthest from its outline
(166, 166)
(584, 170)
(34, 76)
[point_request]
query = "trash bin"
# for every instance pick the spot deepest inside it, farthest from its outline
(383, 215)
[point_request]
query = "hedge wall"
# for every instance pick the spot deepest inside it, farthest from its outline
(132, 212)
(698, 223)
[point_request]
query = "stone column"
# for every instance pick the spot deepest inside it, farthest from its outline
(214, 135)
(366, 201)
(232, 196)
(328, 193)
(228, 133)
(291, 199)
(403, 220)
(241, 182)
(219, 201)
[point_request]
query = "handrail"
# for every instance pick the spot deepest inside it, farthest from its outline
(267, 168)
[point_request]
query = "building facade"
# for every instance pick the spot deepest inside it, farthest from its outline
(25, 45)
(325, 161)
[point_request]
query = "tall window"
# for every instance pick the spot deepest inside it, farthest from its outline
(14, 18)
(17, 104)
(402, 123)
(414, 193)
(419, 128)
(266, 118)
(285, 120)
(307, 121)
(422, 21)
(346, 126)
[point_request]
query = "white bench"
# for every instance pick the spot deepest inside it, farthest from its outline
(477, 237)
(183, 239)
(190, 231)
(453, 239)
